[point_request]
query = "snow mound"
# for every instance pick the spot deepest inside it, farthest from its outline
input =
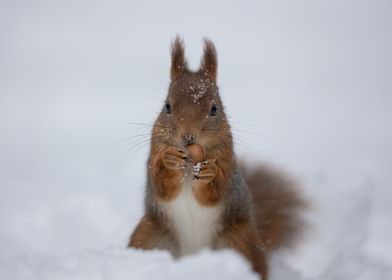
(153, 265)
(129, 264)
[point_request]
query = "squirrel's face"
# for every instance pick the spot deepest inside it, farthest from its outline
(193, 111)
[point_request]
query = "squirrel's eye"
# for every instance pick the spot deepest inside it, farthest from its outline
(214, 110)
(167, 108)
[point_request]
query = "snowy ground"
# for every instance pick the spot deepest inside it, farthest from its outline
(307, 85)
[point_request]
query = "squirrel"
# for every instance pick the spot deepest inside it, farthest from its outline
(198, 194)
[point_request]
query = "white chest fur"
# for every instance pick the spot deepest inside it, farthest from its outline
(194, 225)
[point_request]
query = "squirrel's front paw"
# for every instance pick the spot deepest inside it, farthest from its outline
(205, 170)
(174, 158)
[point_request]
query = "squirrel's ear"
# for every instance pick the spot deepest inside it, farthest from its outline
(209, 62)
(178, 62)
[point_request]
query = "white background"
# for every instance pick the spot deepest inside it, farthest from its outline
(307, 85)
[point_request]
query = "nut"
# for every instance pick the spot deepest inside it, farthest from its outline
(196, 152)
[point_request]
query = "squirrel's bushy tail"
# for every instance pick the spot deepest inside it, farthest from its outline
(277, 206)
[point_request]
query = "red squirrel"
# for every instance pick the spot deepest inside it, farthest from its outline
(197, 194)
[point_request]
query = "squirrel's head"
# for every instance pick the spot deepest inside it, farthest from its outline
(193, 111)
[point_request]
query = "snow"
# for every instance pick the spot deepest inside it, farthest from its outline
(198, 90)
(129, 264)
(306, 86)
(197, 169)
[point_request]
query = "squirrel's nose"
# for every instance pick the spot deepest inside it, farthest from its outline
(189, 138)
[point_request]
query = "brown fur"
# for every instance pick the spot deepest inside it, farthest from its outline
(277, 206)
(166, 180)
(150, 234)
(209, 63)
(254, 219)
(179, 63)
(241, 236)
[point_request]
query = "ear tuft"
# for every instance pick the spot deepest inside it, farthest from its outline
(178, 62)
(209, 62)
